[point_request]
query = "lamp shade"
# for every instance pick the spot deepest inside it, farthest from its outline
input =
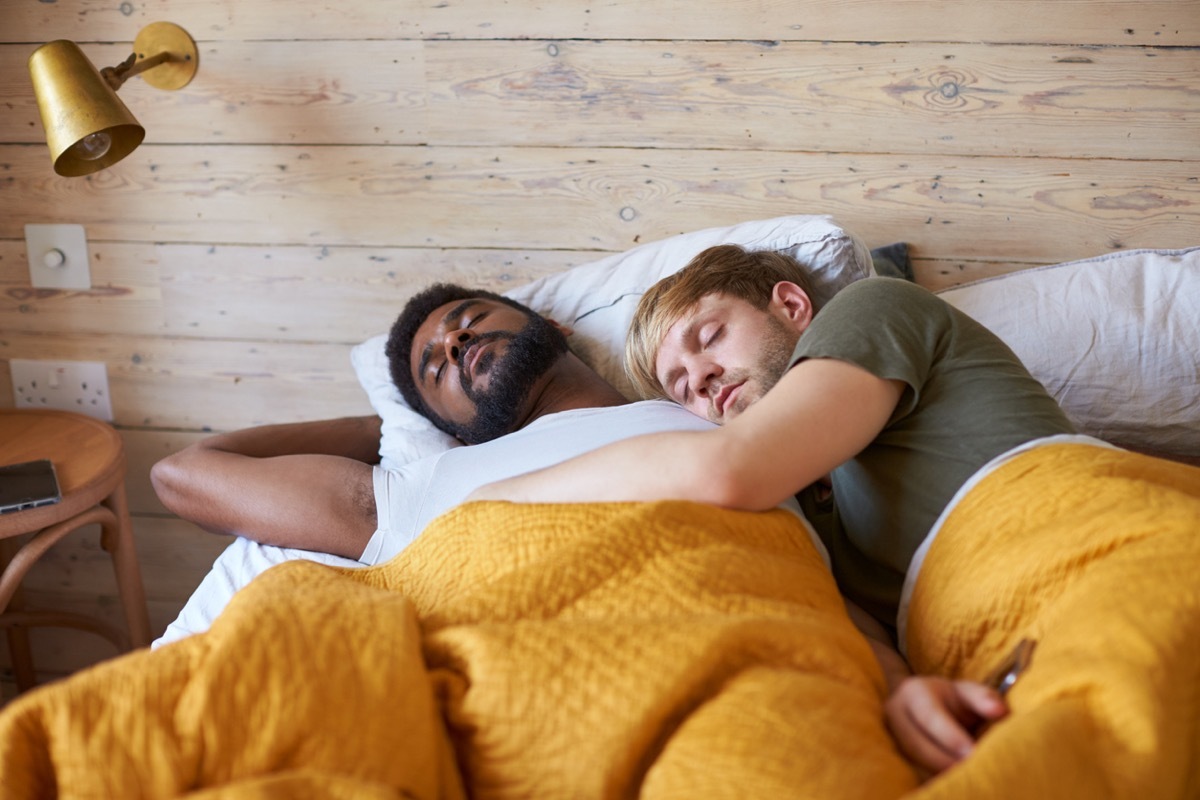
(87, 126)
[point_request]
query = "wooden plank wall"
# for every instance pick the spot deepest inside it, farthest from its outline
(328, 160)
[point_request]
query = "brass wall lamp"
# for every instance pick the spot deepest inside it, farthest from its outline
(87, 126)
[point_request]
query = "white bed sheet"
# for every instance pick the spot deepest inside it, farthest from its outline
(237, 565)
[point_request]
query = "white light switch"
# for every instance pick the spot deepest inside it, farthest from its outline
(58, 256)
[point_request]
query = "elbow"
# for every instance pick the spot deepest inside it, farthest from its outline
(169, 477)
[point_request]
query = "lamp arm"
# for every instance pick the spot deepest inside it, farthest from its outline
(116, 76)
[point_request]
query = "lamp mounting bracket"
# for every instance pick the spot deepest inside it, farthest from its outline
(163, 54)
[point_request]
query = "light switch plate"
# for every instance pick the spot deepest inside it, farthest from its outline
(58, 256)
(79, 386)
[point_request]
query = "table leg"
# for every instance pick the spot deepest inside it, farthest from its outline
(118, 542)
(18, 635)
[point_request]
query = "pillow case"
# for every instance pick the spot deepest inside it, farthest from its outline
(598, 299)
(1114, 339)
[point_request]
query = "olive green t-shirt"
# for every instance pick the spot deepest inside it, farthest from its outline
(967, 399)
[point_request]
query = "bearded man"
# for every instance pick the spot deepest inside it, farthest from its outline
(481, 367)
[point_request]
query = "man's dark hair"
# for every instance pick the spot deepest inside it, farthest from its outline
(404, 330)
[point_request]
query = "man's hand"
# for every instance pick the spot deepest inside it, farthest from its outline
(933, 719)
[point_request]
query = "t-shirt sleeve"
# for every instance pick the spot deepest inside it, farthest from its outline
(399, 496)
(889, 327)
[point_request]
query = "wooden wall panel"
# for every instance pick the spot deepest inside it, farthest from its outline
(208, 384)
(357, 92)
(290, 293)
(1119, 22)
(610, 199)
(1077, 102)
(329, 161)
(935, 274)
(955, 99)
(125, 295)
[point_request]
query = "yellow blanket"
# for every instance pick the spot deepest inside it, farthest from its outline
(665, 651)
(1096, 554)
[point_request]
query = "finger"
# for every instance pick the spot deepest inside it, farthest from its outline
(942, 718)
(983, 700)
(915, 744)
(908, 712)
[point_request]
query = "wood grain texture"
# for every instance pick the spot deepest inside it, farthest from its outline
(935, 274)
(891, 98)
(1109, 22)
(208, 384)
(1074, 102)
(609, 199)
(360, 92)
(290, 293)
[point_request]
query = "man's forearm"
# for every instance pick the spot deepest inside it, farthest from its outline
(349, 437)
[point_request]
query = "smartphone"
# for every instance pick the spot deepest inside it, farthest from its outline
(28, 485)
(1004, 676)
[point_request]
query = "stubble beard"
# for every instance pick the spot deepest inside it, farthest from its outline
(774, 359)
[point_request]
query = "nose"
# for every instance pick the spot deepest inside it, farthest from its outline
(454, 342)
(701, 373)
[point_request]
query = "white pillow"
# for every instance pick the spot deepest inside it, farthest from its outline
(1115, 339)
(598, 301)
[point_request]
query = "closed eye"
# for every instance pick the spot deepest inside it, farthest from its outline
(712, 337)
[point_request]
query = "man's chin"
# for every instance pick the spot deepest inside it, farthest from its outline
(503, 404)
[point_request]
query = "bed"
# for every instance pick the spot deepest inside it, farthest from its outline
(672, 650)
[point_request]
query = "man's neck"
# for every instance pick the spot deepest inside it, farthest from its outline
(572, 385)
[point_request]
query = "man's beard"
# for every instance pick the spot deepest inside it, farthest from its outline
(774, 358)
(531, 353)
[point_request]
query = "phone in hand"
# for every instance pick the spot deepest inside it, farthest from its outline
(1005, 676)
(28, 485)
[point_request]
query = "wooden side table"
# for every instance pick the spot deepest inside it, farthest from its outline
(90, 461)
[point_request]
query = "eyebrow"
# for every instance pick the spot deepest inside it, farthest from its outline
(449, 317)
(688, 333)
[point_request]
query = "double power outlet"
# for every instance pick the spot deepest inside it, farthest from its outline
(80, 386)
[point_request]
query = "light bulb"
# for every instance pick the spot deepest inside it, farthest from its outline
(91, 147)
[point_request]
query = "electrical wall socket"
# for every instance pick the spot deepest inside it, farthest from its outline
(80, 386)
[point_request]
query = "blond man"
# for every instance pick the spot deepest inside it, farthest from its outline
(889, 391)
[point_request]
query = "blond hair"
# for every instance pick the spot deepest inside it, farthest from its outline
(730, 269)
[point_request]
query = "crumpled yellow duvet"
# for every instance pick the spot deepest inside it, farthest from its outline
(1095, 553)
(665, 650)
(660, 650)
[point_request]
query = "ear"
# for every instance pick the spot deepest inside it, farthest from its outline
(792, 304)
(565, 330)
